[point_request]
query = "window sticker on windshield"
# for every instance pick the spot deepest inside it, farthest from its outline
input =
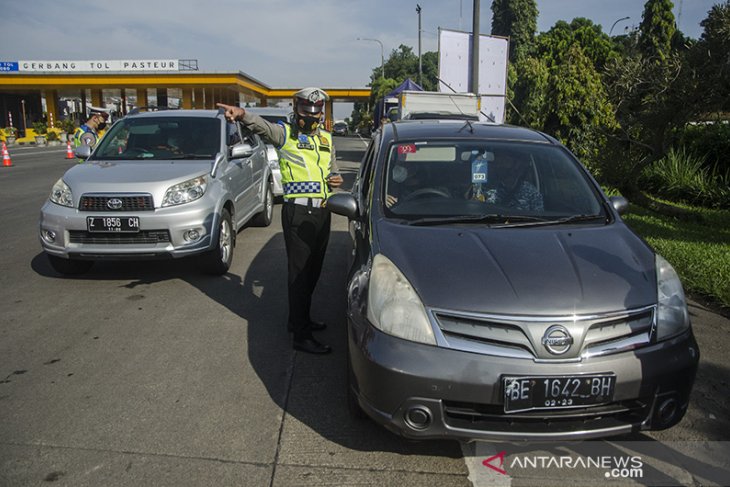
(407, 149)
(479, 170)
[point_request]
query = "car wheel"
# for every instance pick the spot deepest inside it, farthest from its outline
(218, 260)
(264, 218)
(69, 267)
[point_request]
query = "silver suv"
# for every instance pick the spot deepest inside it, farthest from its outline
(158, 185)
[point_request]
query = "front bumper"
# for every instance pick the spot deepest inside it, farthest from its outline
(162, 232)
(421, 391)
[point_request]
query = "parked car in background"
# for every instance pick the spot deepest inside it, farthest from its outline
(339, 128)
(273, 115)
(495, 292)
(158, 185)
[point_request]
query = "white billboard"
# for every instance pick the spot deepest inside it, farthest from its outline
(455, 67)
(126, 66)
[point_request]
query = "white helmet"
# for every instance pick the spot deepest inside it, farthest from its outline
(308, 107)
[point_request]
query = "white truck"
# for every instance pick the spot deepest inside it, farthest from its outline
(431, 104)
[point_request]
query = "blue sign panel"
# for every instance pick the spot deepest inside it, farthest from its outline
(8, 66)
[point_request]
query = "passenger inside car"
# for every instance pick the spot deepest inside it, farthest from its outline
(508, 182)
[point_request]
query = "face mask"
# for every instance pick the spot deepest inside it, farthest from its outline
(308, 123)
(400, 174)
(101, 126)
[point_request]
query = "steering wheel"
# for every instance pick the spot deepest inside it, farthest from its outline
(426, 192)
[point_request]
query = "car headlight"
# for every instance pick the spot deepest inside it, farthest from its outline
(393, 305)
(61, 194)
(672, 315)
(185, 192)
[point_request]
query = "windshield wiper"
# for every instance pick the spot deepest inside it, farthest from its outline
(558, 221)
(486, 218)
(191, 156)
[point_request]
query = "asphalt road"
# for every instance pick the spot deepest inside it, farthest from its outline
(153, 374)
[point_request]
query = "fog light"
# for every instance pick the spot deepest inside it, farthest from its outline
(48, 235)
(667, 411)
(418, 418)
(192, 235)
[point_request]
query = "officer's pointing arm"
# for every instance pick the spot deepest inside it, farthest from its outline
(270, 132)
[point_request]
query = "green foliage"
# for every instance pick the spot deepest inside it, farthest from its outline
(577, 107)
(11, 131)
(52, 136)
(700, 252)
(40, 128)
(680, 176)
(66, 125)
(711, 141)
(516, 19)
(553, 45)
(711, 54)
(657, 30)
(529, 91)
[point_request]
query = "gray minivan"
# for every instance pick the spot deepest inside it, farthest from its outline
(495, 292)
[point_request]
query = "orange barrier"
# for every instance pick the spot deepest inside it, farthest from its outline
(69, 152)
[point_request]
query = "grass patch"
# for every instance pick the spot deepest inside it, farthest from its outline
(700, 252)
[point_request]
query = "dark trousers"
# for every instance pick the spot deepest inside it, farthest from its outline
(306, 233)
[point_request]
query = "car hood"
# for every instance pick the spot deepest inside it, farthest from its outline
(526, 271)
(131, 176)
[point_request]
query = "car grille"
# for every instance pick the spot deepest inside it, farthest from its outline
(98, 202)
(520, 336)
(141, 237)
(493, 418)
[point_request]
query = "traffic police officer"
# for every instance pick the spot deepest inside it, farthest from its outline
(88, 133)
(308, 175)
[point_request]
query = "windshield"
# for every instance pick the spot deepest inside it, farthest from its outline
(473, 181)
(161, 138)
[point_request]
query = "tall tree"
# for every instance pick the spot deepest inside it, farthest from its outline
(554, 44)
(516, 19)
(657, 29)
(712, 53)
(577, 109)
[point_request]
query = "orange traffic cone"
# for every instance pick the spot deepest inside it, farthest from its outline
(6, 157)
(69, 152)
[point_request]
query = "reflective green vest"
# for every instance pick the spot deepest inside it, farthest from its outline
(305, 163)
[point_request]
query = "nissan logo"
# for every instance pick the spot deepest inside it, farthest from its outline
(557, 340)
(114, 203)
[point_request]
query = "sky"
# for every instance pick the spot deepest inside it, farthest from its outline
(282, 43)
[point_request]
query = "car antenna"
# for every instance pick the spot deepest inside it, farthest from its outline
(491, 118)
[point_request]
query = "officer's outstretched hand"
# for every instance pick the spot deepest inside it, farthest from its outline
(232, 113)
(335, 180)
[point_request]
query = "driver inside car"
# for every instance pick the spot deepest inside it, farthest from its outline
(408, 180)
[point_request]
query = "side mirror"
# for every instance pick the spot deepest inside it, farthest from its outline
(620, 204)
(343, 204)
(83, 151)
(241, 151)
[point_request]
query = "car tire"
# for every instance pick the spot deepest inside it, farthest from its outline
(218, 260)
(69, 267)
(263, 219)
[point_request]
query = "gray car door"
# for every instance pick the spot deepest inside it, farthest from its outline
(240, 175)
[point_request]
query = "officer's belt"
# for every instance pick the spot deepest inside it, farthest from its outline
(311, 202)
